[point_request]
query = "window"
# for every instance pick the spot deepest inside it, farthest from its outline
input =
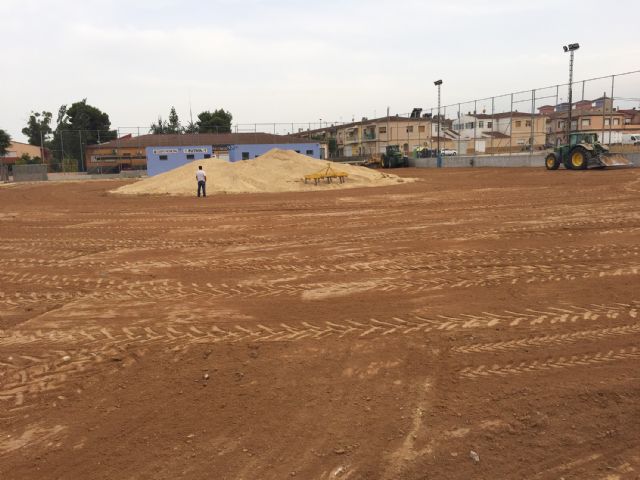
(163, 157)
(585, 122)
(616, 121)
(382, 129)
(422, 129)
(560, 125)
(607, 121)
(481, 124)
(310, 152)
(410, 129)
(489, 124)
(627, 121)
(547, 121)
(190, 157)
(207, 155)
(527, 123)
(245, 155)
(469, 125)
(518, 123)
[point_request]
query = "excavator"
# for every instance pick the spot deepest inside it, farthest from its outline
(584, 151)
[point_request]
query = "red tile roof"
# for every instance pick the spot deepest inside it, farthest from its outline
(185, 139)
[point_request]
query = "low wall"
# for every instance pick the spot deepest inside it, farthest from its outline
(535, 160)
(78, 176)
(30, 173)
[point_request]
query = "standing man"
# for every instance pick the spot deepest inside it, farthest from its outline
(201, 177)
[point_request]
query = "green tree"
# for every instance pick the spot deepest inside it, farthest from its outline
(26, 159)
(80, 125)
(38, 129)
(192, 127)
(174, 122)
(171, 126)
(5, 141)
(159, 128)
(218, 121)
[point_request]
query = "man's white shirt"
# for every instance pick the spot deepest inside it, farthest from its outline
(200, 175)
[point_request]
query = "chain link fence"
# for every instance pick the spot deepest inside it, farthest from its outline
(519, 122)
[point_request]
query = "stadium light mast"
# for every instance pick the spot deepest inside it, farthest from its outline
(571, 48)
(438, 83)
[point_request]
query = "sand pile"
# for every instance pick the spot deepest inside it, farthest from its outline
(275, 171)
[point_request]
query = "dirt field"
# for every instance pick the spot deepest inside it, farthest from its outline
(359, 334)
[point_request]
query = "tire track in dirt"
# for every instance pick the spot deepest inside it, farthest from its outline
(562, 362)
(86, 348)
(548, 340)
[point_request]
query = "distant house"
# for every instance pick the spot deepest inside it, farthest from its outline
(18, 149)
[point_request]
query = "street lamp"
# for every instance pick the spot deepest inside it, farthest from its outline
(571, 48)
(437, 83)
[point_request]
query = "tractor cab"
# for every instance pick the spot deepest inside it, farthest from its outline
(585, 138)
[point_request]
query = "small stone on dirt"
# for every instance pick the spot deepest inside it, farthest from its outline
(474, 456)
(66, 358)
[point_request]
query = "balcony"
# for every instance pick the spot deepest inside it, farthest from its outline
(368, 136)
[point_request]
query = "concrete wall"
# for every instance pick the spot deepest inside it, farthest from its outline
(29, 173)
(236, 151)
(535, 160)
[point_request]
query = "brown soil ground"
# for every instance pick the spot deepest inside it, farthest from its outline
(363, 334)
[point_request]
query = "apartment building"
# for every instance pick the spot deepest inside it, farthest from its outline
(371, 137)
(590, 116)
(501, 132)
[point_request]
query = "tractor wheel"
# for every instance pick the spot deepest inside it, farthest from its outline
(551, 162)
(578, 158)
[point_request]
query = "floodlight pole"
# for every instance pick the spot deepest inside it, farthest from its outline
(571, 48)
(438, 83)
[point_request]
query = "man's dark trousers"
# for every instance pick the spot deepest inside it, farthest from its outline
(202, 185)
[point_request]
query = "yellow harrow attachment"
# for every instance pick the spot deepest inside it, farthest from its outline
(327, 174)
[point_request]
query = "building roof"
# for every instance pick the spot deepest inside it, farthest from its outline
(495, 134)
(177, 139)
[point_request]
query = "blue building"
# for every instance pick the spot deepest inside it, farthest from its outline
(161, 153)
(233, 147)
(163, 159)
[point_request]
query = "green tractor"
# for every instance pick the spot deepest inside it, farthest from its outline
(393, 157)
(584, 151)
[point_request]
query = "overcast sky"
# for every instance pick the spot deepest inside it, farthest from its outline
(288, 61)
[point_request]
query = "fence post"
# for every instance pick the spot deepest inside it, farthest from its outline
(533, 107)
(459, 130)
(613, 77)
(62, 149)
(475, 124)
(492, 120)
(80, 162)
(511, 128)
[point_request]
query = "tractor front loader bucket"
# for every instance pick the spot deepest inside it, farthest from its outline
(613, 160)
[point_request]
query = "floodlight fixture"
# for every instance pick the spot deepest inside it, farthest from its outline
(437, 82)
(571, 47)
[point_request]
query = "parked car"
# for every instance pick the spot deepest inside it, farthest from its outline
(449, 151)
